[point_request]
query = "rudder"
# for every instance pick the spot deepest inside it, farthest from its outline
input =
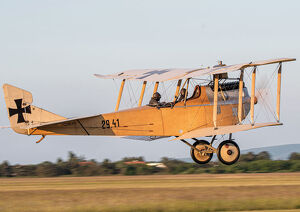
(22, 113)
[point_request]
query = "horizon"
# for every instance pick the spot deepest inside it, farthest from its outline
(187, 159)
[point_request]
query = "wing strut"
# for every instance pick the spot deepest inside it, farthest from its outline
(216, 86)
(155, 87)
(252, 96)
(142, 93)
(278, 92)
(120, 95)
(186, 91)
(240, 106)
(177, 90)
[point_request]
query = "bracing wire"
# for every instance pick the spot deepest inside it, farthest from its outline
(266, 105)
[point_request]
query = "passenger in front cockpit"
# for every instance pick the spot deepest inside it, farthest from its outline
(155, 99)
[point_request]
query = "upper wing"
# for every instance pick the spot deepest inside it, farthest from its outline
(210, 131)
(161, 75)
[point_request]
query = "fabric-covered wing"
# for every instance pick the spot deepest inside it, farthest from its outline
(210, 131)
(161, 75)
(231, 68)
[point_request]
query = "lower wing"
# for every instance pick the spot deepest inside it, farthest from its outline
(210, 131)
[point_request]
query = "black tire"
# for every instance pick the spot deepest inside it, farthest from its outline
(196, 155)
(228, 152)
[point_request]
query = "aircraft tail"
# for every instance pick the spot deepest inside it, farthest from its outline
(22, 113)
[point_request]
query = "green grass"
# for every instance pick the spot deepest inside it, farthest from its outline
(187, 193)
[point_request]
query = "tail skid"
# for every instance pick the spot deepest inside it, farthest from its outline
(22, 114)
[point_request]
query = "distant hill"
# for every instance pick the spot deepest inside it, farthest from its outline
(281, 152)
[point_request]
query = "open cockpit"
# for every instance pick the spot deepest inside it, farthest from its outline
(202, 94)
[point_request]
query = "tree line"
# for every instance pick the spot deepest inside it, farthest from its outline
(78, 166)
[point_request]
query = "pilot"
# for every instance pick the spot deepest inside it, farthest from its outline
(182, 95)
(155, 99)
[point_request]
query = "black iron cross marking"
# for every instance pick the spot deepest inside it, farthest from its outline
(149, 73)
(20, 110)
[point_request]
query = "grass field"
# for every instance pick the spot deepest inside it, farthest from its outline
(230, 192)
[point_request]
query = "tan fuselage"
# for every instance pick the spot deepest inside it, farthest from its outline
(153, 121)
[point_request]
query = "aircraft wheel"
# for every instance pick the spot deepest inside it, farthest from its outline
(197, 156)
(228, 152)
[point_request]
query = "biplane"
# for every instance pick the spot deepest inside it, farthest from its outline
(216, 107)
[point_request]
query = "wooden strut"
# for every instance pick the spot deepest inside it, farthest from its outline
(186, 91)
(177, 90)
(215, 107)
(155, 87)
(184, 83)
(142, 93)
(240, 105)
(278, 92)
(120, 95)
(252, 96)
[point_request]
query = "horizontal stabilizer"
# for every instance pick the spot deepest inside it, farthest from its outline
(54, 123)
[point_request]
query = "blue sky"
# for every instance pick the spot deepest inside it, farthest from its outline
(53, 48)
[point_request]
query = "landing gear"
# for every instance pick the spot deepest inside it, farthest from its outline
(202, 151)
(201, 155)
(228, 152)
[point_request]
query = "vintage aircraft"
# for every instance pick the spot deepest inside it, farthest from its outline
(217, 107)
